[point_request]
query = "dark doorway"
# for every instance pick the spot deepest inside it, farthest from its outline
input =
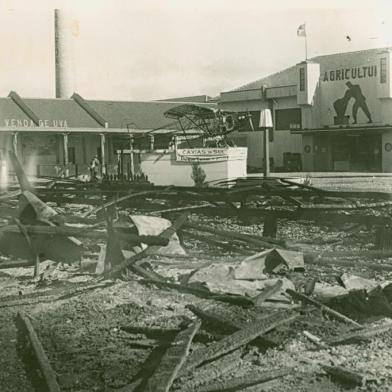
(357, 153)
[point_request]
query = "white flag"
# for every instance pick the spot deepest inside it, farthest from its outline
(301, 31)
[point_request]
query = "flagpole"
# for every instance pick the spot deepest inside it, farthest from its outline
(306, 47)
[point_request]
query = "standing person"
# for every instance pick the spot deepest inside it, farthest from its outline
(359, 101)
(94, 167)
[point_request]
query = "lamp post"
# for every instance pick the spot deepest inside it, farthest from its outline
(265, 124)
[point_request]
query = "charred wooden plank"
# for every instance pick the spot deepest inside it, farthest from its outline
(311, 258)
(206, 374)
(357, 336)
(16, 264)
(309, 215)
(31, 245)
(238, 339)
(172, 361)
(85, 232)
(24, 183)
(48, 374)
(239, 383)
(229, 246)
(260, 242)
(229, 325)
(117, 200)
(229, 298)
(315, 339)
(49, 297)
(169, 333)
(324, 308)
(267, 293)
(344, 374)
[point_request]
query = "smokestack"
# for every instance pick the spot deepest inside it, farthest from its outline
(65, 30)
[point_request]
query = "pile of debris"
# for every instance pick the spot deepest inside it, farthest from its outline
(250, 299)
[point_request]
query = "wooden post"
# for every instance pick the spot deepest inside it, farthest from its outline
(266, 123)
(66, 158)
(15, 143)
(122, 164)
(151, 142)
(103, 162)
(266, 170)
(131, 141)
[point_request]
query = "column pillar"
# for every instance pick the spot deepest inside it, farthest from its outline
(131, 141)
(66, 158)
(15, 143)
(103, 146)
(151, 142)
(266, 169)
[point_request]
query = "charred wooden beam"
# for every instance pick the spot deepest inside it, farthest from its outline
(48, 374)
(172, 361)
(16, 264)
(260, 242)
(344, 374)
(308, 215)
(238, 339)
(242, 382)
(51, 296)
(34, 252)
(227, 246)
(315, 339)
(168, 333)
(228, 324)
(311, 258)
(206, 374)
(229, 298)
(305, 299)
(268, 292)
(85, 232)
(119, 200)
(361, 335)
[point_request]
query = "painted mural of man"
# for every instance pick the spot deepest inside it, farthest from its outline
(340, 105)
(359, 101)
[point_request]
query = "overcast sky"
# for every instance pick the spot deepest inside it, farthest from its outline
(141, 50)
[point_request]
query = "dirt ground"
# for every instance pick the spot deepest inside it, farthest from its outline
(89, 348)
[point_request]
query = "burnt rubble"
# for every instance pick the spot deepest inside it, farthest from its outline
(202, 306)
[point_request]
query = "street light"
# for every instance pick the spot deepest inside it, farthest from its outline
(265, 124)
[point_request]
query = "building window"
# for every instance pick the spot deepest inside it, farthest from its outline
(302, 79)
(383, 70)
(286, 119)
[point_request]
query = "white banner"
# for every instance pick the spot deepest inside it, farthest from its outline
(202, 154)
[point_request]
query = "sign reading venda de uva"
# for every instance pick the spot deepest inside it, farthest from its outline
(349, 93)
(15, 123)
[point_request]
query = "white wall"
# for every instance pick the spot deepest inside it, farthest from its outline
(163, 169)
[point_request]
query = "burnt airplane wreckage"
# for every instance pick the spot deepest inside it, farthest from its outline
(215, 125)
(199, 135)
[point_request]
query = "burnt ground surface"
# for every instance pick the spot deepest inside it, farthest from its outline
(89, 348)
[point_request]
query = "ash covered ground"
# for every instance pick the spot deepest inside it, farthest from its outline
(91, 347)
